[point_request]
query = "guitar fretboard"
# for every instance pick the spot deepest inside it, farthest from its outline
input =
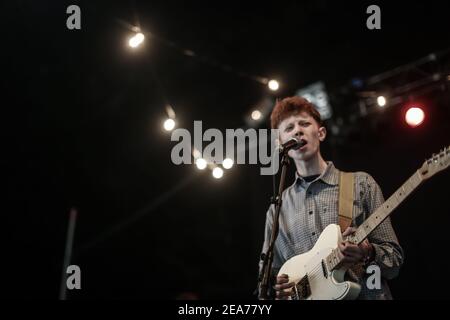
(386, 209)
(377, 217)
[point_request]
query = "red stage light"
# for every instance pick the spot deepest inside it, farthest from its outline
(414, 116)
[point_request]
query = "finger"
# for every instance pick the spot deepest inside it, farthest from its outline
(348, 231)
(350, 248)
(353, 259)
(283, 294)
(282, 279)
(283, 286)
(281, 297)
(346, 250)
(365, 245)
(353, 256)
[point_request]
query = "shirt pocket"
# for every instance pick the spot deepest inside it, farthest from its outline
(327, 206)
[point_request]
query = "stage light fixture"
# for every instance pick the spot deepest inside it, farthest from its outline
(414, 116)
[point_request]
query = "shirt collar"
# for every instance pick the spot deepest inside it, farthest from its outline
(329, 176)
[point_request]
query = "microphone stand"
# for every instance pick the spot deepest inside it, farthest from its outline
(267, 258)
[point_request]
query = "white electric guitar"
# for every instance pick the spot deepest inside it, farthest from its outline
(318, 274)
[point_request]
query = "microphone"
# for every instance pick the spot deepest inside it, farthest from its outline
(292, 143)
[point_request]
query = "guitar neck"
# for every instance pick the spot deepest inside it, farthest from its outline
(383, 211)
(377, 217)
(437, 163)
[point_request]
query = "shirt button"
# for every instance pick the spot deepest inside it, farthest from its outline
(313, 233)
(310, 212)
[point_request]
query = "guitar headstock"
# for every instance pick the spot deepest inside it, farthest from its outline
(435, 164)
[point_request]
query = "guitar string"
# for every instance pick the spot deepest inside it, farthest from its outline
(315, 270)
(314, 273)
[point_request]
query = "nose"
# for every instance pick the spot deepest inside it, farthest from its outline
(298, 131)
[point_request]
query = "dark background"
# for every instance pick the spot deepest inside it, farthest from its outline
(83, 128)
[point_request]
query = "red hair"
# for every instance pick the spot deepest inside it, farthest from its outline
(292, 106)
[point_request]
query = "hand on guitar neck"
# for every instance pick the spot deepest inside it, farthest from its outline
(350, 254)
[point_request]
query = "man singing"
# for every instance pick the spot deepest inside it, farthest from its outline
(311, 203)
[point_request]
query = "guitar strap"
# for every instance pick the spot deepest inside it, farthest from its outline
(346, 186)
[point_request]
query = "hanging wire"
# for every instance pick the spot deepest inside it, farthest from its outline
(191, 54)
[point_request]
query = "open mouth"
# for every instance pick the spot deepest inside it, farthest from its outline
(301, 145)
(304, 143)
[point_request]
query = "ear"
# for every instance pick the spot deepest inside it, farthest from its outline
(322, 133)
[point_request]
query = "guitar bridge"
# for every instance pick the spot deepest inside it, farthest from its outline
(302, 289)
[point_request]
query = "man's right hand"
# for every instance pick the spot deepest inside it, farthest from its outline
(283, 283)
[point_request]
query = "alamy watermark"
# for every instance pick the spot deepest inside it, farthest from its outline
(374, 20)
(74, 20)
(374, 280)
(74, 280)
(221, 147)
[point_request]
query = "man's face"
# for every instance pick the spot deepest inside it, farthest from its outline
(303, 127)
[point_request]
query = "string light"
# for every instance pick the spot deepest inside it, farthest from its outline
(201, 163)
(273, 85)
(217, 173)
(169, 124)
(256, 115)
(136, 40)
(227, 163)
(381, 101)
